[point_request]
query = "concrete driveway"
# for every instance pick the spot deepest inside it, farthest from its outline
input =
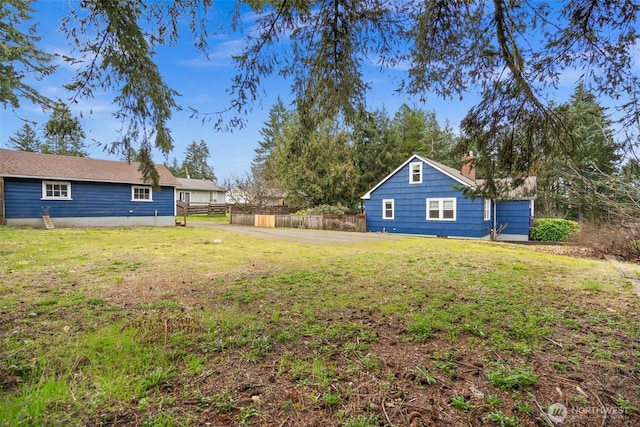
(314, 237)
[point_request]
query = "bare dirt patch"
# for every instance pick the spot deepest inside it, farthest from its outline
(395, 382)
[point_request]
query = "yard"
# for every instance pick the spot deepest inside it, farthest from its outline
(206, 326)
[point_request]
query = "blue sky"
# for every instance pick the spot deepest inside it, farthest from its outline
(203, 85)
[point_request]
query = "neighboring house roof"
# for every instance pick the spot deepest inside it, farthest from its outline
(524, 191)
(239, 195)
(198, 185)
(26, 164)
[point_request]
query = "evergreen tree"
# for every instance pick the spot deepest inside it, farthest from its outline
(376, 149)
(25, 139)
(572, 183)
(19, 56)
(63, 133)
(174, 168)
(510, 53)
(420, 133)
(195, 164)
(316, 168)
(270, 132)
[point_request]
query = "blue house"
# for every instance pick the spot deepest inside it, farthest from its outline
(77, 191)
(425, 197)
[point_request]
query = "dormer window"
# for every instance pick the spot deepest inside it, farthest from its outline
(415, 173)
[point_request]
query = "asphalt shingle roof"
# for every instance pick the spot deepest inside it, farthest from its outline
(198, 185)
(50, 166)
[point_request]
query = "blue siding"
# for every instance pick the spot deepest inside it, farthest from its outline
(411, 210)
(516, 214)
(89, 199)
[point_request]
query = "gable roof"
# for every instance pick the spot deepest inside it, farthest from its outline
(24, 164)
(525, 191)
(199, 185)
(450, 172)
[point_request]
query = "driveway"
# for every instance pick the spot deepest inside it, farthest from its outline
(314, 237)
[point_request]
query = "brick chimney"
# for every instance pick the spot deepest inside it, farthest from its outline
(468, 166)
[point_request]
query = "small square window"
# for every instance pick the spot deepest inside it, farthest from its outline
(56, 190)
(143, 194)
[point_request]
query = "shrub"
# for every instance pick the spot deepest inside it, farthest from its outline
(618, 239)
(322, 210)
(348, 226)
(553, 229)
(334, 224)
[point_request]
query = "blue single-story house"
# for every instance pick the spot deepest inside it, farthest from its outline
(425, 197)
(79, 191)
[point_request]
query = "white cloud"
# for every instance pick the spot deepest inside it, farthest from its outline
(218, 55)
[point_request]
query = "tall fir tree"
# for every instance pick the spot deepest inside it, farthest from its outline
(25, 139)
(420, 133)
(196, 162)
(63, 133)
(270, 132)
(571, 182)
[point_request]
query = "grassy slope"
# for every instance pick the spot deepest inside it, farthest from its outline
(101, 322)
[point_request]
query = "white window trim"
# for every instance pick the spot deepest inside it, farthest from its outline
(440, 208)
(134, 187)
(181, 193)
(411, 165)
(487, 209)
(44, 190)
(384, 208)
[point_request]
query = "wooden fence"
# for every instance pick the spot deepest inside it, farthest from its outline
(312, 222)
(211, 209)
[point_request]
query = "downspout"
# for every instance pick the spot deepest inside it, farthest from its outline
(2, 211)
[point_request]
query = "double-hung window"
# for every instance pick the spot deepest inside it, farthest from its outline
(387, 209)
(441, 209)
(141, 194)
(487, 209)
(56, 190)
(415, 173)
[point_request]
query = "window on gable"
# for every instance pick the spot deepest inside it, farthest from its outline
(415, 173)
(56, 190)
(487, 209)
(141, 194)
(387, 209)
(441, 209)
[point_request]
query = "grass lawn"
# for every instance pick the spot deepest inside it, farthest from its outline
(186, 327)
(204, 218)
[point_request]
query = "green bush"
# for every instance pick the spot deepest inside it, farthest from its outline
(553, 229)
